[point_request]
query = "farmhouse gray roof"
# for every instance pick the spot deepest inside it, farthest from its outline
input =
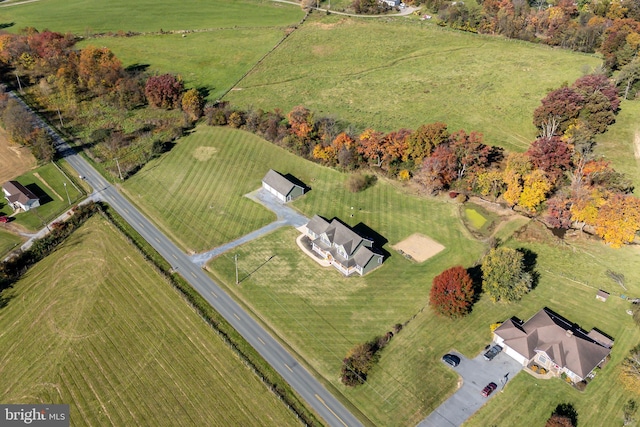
(16, 192)
(566, 344)
(279, 183)
(338, 234)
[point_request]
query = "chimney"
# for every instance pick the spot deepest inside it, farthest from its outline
(569, 333)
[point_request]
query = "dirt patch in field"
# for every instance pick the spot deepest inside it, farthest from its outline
(419, 247)
(14, 160)
(204, 153)
(636, 145)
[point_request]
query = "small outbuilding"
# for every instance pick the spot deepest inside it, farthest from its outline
(19, 196)
(602, 295)
(284, 188)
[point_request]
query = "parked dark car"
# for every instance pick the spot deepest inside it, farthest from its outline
(492, 352)
(451, 359)
(489, 389)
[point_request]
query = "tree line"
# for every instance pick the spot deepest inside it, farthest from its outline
(558, 177)
(610, 27)
(66, 82)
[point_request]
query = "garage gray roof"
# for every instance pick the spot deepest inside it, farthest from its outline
(279, 183)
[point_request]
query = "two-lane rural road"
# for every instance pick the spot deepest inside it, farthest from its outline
(310, 389)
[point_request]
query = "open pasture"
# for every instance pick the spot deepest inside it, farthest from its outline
(395, 73)
(621, 143)
(85, 17)
(212, 60)
(94, 326)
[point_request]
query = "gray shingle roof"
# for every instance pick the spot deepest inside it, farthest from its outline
(18, 192)
(567, 345)
(278, 182)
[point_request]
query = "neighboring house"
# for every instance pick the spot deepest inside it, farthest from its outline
(554, 343)
(345, 249)
(281, 187)
(19, 196)
(390, 3)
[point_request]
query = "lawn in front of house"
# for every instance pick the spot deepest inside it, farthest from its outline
(321, 315)
(93, 325)
(48, 183)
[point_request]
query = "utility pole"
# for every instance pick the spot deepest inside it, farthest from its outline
(119, 171)
(235, 258)
(60, 117)
(67, 191)
(19, 84)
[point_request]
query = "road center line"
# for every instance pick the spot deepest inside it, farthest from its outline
(236, 316)
(330, 410)
(260, 339)
(215, 296)
(291, 370)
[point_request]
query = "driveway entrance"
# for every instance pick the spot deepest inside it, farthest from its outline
(476, 374)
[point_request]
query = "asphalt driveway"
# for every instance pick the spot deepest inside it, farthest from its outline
(476, 374)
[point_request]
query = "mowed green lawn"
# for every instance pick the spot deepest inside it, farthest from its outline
(321, 315)
(394, 73)
(94, 326)
(8, 241)
(195, 192)
(89, 16)
(212, 60)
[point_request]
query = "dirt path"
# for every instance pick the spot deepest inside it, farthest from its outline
(636, 145)
(46, 184)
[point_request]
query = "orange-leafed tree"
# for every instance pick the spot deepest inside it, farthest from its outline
(370, 146)
(452, 292)
(301, 122)
(618, 219)
(98, 69)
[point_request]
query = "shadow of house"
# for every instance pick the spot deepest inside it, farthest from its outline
(297, 182)
(40, 194)
(21, 197)
(344, 248)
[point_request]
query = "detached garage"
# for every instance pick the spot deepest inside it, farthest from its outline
(282, 187)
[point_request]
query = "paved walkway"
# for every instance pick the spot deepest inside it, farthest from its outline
(285, 214)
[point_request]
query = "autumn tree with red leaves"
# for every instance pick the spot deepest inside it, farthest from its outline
(552, 155)
(164, 91)
(559, 108)
(452, 292)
